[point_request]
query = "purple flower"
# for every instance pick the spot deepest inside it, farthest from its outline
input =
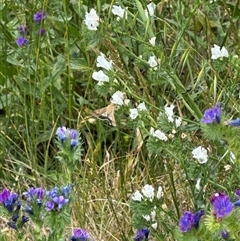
(39, 16)
(28, 210)
(8, 199)
(79, 234)
(142, 234)
(225, 234)
(238, 193)
(222, 205)
(50, 205)
(212, 115)
(235, 122)
(66, 190)
(21, 41)
(70, 135)
(197, 217)
(22, 30)
(186, 222)
(60, 201)
(41, 31)
(33, 193)
(53, 193)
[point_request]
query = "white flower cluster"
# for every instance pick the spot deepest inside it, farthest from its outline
(147, 192)
(135, 111)
(102, 62)
(151, 217)
(170, 115)
(200, 153)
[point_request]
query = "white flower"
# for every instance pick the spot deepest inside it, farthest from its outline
(154, 225)
(151, 8)
(133, 113)
(178, 121)
(146, 217)
(92, 20)
(152, 41)
(142, 107)
(118, 10)
(153, 215)
(218, 53)
(169, 112)
(198, 187)
(159, 192)
(137, 196)
(160, 135)
(100, 77)
(152, 61)
(102, 62)
(117, 98)
(200, 153)
(148, 191)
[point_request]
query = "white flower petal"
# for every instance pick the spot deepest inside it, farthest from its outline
(133, 113)
(152, 61)
(103, 62)
(218, 53)
(137, 196)
(154, 225)
(146, 217)
(142, 107)
(100, 77)
(169, 112)
(178, 121)
(148, 191)
(92, 19)
(152, 41)
(151, 8)
(200, 153)
(118, 10)
(118, 98)
(198, 187)
(160, 135)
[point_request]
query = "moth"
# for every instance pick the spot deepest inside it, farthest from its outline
(106, 113)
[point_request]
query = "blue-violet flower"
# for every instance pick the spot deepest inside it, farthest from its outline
(212, 115)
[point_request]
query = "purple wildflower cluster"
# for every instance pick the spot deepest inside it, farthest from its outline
(66, 135)
(142, 234)
(190, 220)
(80, 234)
(23, 30)
(212, 115)
(57, 198)
(10, 202)
(222, 205)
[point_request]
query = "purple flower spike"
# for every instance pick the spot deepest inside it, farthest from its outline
(197, 217)
(238, 193)
(21, 41)
(80, 234)
(60, 201)
(22, 30)
(225, 234)
(142, 234)
(41, 31)
(186, 221)
(212, 115)
(235, 122)
(39, 16)
(221, 204)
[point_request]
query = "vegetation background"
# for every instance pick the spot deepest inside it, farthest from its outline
(48, 83)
